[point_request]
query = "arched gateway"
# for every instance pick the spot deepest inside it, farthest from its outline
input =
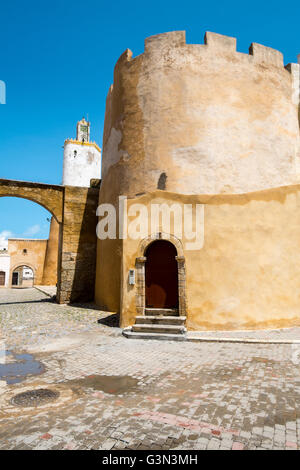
(22, 275)
(74, 208)
(47, 195)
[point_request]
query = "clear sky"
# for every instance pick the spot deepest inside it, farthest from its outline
(57, 59)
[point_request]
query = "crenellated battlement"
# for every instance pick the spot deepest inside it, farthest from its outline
(213, 43)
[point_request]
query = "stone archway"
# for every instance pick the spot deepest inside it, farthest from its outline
(19, 266)
(46, 195)
(141, 275)
(74, 208)
(50, 197)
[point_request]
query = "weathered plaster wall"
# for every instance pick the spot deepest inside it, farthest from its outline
(34, 256)
(213, 119)
(51, 258)
(82, 162)
(109, 256)
(247, 275)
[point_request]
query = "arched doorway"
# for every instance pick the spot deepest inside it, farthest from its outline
(161, 275)
(22, 276)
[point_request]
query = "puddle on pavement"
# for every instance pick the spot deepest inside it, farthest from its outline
(18, 367)
(116, 385)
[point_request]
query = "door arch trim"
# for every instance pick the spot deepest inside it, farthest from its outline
(160, 236)
(140, 272)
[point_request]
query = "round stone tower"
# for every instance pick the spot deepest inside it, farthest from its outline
(82, 158)
(201, 119)
(203, 126)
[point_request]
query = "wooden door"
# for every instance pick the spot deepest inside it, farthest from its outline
(161, 273)
(2, 278)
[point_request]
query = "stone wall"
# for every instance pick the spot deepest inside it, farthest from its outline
(77, 260)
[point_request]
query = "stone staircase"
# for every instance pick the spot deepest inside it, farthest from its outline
(162, 324)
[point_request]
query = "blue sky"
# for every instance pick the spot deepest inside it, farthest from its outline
(57, 61)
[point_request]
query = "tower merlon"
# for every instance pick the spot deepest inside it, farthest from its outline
(266, 55)
(173, 39)
(218, 41)
(294, 70)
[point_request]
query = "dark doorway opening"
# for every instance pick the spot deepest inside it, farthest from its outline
(2, 278)
(161, 272)
(15, 279)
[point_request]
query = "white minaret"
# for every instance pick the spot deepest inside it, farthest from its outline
(82, 158)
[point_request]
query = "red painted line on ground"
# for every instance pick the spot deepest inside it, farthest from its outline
(184, 422)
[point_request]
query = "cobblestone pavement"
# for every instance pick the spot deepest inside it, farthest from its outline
(280, 335)
(117, 393)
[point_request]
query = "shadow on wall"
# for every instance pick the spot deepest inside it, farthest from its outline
(83, 285)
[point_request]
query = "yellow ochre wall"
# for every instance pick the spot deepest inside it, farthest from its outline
(41, 256)
(51, 257)
(247, 275)
(34, 258)
(223, 128)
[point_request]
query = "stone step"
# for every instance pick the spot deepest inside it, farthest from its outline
(169, 312)
(149, 328)
(160, 319)
(157, 336)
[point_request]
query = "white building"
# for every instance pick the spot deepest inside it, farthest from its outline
(27, 273)
(4, 268)
(82, 158)
(3, 244)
